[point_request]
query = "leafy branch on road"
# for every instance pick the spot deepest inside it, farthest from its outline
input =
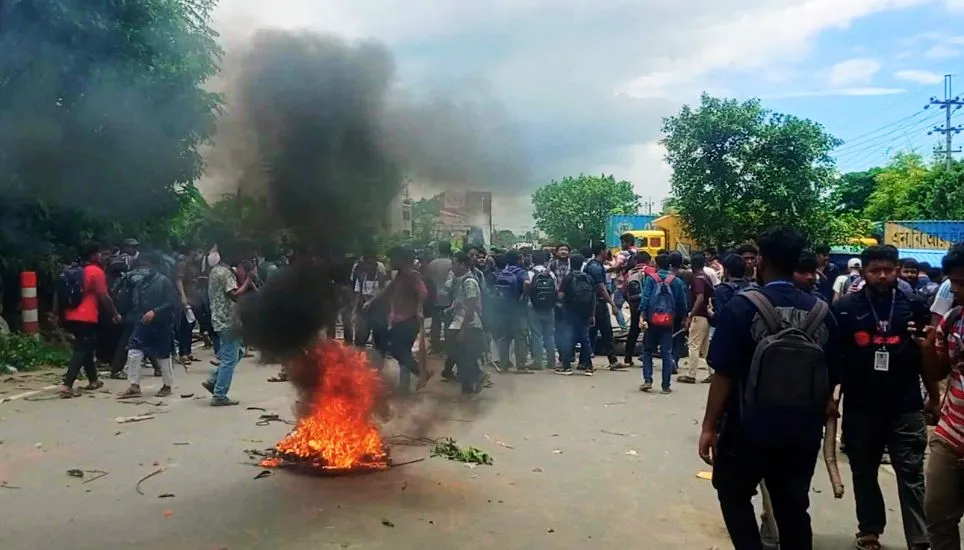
(448, 448)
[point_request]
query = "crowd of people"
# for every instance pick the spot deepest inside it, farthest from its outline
(787, 340)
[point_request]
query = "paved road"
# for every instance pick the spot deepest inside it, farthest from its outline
(569, 479)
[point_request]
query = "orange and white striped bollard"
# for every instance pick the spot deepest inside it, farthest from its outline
(28, 302)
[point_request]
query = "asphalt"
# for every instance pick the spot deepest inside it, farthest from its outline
(579, 462)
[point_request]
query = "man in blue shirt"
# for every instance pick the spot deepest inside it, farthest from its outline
(603, 327)
(661, 336)
(786, 461)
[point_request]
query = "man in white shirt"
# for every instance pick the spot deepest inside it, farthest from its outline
(943, 302)
(845, 284)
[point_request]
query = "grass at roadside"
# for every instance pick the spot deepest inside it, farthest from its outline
(26, 353)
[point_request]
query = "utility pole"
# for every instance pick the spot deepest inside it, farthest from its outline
(649, 205)
(948, 130)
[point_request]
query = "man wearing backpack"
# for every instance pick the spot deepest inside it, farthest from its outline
(81, 292)
(577, 293)
(641, 266)
(759, 425)
(883, 406)
(511, 312)
(734, 282)
(541, 290)
(664, 298)
(601, 332)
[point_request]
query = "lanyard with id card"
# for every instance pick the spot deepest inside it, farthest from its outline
(882, 356)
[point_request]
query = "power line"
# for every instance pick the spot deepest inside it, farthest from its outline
(873, 135)
(947, 129)
(887, 138)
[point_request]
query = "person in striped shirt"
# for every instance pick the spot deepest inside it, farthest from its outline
(944, 354)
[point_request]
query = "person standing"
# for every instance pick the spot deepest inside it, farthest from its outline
(849, 282)
(633, 291)
(577, 293)
(735, 281)
(368, 279)
(81, 292)
(697, 323)
(466, 325)
(224, 291)
(827, 272)
(601, 331)
(713, 268)
(510, 307)
(186, 273)
(881, 392)
(437, 272)
(542, 297)
(664, 298)
(944, 357)
(774, 433)
(154, 308)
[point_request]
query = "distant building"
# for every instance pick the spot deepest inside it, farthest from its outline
(400, 213)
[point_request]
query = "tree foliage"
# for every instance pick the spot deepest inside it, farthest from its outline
(853, 189)
(574, 210)
(739, 168)
(102, 111)
(908, 188)
(504, 238)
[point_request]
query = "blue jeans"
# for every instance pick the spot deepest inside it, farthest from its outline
(662, 337)
(229, 352)
(575, 330)
(542, 327)
(620, 300)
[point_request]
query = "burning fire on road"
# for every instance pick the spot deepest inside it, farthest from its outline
(336, 432)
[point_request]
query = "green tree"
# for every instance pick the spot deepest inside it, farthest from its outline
(942, 193)
(504, 238)
(425, 217)
(575, 210)
(102, 112)
(739, 168)
(852, 191)
(899, 190)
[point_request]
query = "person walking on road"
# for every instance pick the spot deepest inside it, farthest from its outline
(601, 332)
(466, 326)
(697, 323)
(758, 425)
(542, 296)
(437, 272)
(577, 293)
(664, 298)
(641, 267)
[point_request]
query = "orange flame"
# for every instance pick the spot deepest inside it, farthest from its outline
(338, 432)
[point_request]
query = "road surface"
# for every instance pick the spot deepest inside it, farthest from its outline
(579, 463)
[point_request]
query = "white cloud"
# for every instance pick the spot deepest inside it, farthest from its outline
(644, 165)
(941, 51)
(858, 91)
(853, 72)
(919, 76)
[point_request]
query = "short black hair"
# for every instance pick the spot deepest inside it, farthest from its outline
(879, 253)
(662, 261)
(925, 266)
(709, 251)
(540, 256)
(821, 249)
(401, 255)
(954, 259)
(627, 238)
(586, 252)
(501, 260)
(641, 257)
(598, 247)
(563, 245)
(88, 250)
(151, 259)
(662, 251)
(698, 261)
(735, 266)
(910, 263)
(807, 263)
(462, 258)
(445, 248)
(512, 257)
(676, 259)
(780, 248)
(576, 261)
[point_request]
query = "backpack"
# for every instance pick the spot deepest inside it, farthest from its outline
(70, 287)
(662, 306)
(788, 375)
(633, 291)
(582, 293)
(507, 285)
(122, 292)
(542, 291)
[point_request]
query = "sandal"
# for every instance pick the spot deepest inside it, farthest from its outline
(95, 385)
(133, 391)
(869, 541)
(67, 393)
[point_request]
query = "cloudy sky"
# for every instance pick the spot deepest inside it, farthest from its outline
(588, 81)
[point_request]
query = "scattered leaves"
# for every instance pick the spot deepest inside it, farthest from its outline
(448, 448)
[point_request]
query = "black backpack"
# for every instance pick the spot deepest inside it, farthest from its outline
(70, 287)
(582, 293)
(788, 382)
(542, 290)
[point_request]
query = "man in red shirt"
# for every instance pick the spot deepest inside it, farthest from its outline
(81, 321)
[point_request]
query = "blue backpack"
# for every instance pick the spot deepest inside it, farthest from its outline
(70, 287)
(507, 287)
(662, 306)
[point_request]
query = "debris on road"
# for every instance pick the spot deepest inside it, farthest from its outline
(708, 476)
(75, 473)
(557, 452)
(262, 409)
(166, 495)
(129, 419)
(387, 523)
(498, 442)
(632, 452)
(168, 513)
(5, 485)
(620, 434)
(187, 395)
(182, 443)
(448, 448)
(100, 474)
(537, 470)
(137, 487)
(263, 474)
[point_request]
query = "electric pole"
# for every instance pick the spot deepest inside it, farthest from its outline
(947, 103)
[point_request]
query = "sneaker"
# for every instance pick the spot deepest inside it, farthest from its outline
(223, 402)
(707, 380)
(646, 386)
(683, 379)
(133, 391)
(589, 371)
(165, 391)
(618, 367)
(449, 376)
(209, 386)
(628, 364)
(563, 370)
(118, 376)
(216, 362)
(666, 391)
